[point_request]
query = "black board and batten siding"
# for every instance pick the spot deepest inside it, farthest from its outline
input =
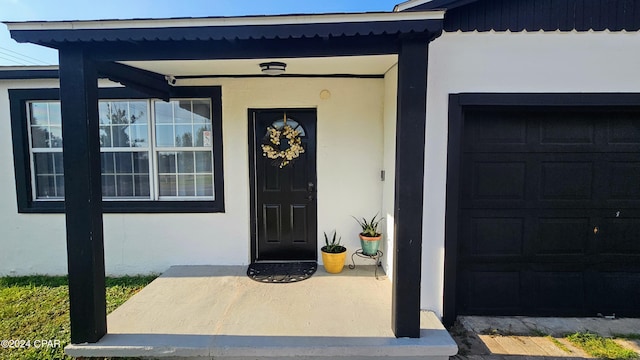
(547, 15)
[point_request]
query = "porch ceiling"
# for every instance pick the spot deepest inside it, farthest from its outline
(342, 65)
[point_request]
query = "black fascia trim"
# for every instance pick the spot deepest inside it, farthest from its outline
(441, 4)
(458, 103)
(22, 165)
(28, 74)
(244, 49)
(548, 99)
(232, 33)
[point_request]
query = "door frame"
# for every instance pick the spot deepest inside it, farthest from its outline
(457, 105)
(253, 199)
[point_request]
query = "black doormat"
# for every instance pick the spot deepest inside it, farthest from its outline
(281, 273)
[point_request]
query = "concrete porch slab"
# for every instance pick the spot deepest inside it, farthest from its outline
(206, 312)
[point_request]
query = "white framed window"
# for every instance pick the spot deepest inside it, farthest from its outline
(45, 145)
(150, 149)
(183, 148)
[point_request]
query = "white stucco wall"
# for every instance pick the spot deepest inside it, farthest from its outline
(509, 63)
(350, 157)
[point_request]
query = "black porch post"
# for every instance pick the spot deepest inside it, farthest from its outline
(410, 135)
(83, 196)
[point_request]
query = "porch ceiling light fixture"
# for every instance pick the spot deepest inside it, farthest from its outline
(273, 68)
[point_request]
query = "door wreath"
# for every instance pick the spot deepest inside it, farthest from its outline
(274, 148)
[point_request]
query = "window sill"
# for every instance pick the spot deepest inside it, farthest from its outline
(131, 207)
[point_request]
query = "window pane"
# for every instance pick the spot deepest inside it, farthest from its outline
(203, 161)
(58, 163)
(164, 135)
(204, 185)
(43, 163)
(125, 174)
(138, 111)
(55, 136)
(124, 163)
(55, 116)
(39, 114)
(124, 185)
(201, 111)
(185, 162)
(46, 187)
(183, 114)
(164, 112)
(60, 186)
(186, 185)
(108, 185)
(120, 136)
(182, 111)
(184, 136)
(139, 135)
(204, 136)
(167, 185)
(141, 185)
(140, 162)
(105, 136)
(103, 112)
(124, 123)
(166, 163)
(118, 113)
(107, 163)
(39, 137)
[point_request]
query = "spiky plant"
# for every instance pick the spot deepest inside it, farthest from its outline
(369, 228)
(333, 246)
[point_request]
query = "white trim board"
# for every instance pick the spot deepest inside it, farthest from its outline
(227, 21)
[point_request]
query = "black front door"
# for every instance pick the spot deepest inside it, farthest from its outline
(284, 197)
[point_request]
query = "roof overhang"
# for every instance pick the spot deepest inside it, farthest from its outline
(139, 53)
(28, 72)
(57, 34)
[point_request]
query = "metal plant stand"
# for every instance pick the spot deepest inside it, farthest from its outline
(375, 257)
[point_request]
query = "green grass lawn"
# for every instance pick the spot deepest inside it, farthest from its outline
(37, 308)
(601, 347)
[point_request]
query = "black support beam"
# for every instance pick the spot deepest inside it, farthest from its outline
(147, 82)
(409, 186)
(83, 196)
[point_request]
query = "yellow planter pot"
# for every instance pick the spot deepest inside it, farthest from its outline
(333, 263)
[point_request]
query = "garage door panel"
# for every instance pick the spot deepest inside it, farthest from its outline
(618, 292)
(494, 236)
(619, 235)
(567, 129)
(562, 236)
(623, 128)
(554, 292)
(506, 128)
(484, 291)
(496, 180)
(566, 180)
(624, 180)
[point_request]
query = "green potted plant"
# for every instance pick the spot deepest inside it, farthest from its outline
(333, 254)
(370, 236)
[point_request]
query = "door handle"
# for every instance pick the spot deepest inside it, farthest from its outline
(310, 191)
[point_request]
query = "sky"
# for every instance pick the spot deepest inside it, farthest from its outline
(13, 54)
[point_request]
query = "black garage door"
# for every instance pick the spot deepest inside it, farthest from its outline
(549, 222)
